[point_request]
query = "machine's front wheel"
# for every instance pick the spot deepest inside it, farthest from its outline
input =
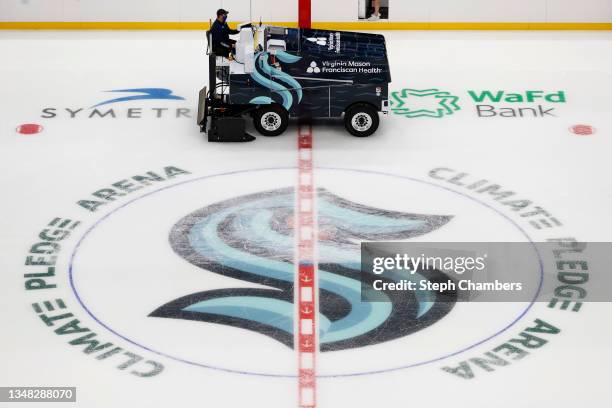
(361, 120)
(271, 120)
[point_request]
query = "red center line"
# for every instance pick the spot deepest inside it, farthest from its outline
(306, 283)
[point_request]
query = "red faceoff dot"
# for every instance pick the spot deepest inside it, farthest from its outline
(29, 128)
(582, 130)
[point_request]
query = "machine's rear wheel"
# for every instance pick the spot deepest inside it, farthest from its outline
(361, 120)
(271, 120)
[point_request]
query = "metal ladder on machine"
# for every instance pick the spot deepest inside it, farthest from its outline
(213, 103)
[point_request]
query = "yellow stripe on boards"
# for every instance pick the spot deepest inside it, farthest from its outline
(358, 25)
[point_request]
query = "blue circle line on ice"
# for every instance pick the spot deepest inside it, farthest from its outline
(71, 272)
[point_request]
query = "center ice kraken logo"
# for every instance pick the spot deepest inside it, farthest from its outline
(437, 104)
(251, 238)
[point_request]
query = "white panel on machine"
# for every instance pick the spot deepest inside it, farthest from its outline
(275, 45)
(245, 48)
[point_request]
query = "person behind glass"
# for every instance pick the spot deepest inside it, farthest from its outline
(376, 15)
(222, 45)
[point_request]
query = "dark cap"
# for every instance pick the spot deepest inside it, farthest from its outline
(222, 12)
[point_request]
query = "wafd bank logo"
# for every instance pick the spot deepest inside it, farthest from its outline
(436, 103)
(250, 238)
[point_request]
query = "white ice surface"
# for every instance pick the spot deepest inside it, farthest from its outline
(44, 175)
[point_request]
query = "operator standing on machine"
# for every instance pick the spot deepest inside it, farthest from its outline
(222, 45)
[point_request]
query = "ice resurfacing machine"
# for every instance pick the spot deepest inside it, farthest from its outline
(279, 73)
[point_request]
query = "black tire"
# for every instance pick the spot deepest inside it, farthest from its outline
(361, 120)
(271, 120)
